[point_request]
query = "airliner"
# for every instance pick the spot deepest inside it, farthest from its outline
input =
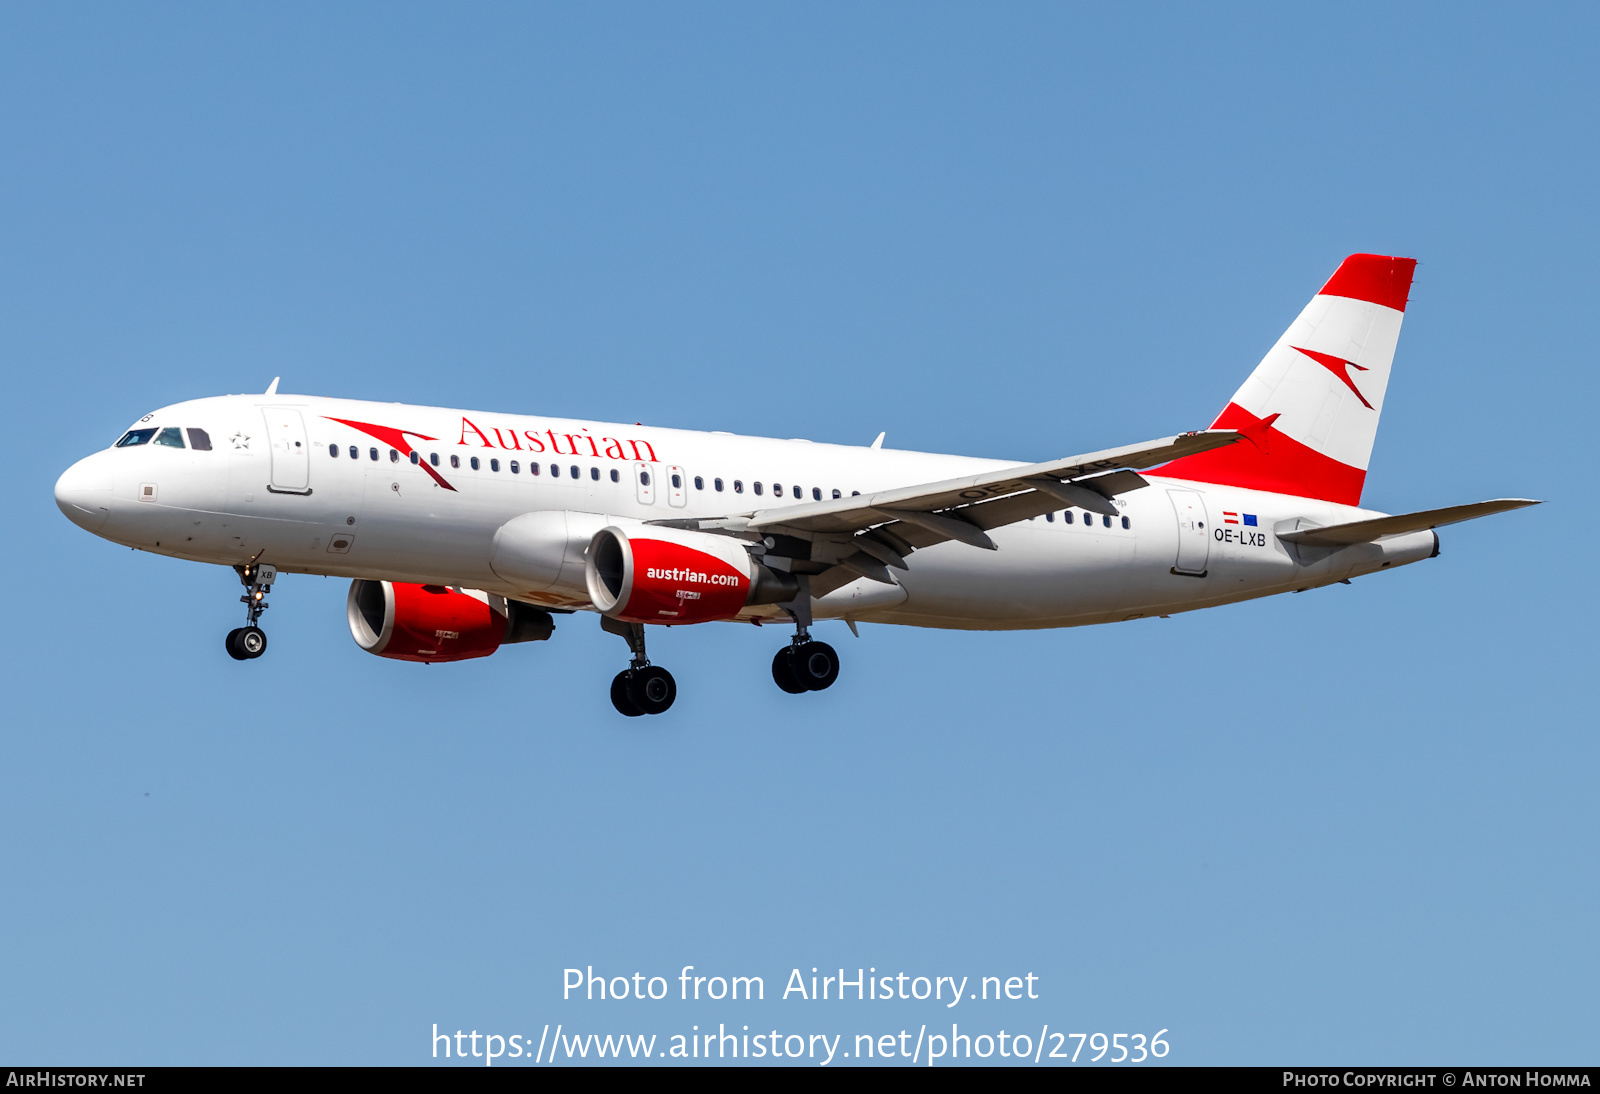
(466, 530)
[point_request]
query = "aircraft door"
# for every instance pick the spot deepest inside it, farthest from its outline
(677, 488)
(1194, 542)
(291, 456)
(644, 480)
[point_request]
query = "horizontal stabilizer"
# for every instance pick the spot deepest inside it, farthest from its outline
(1363, 531)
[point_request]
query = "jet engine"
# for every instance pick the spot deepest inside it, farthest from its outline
(438, 623)
(648, 574)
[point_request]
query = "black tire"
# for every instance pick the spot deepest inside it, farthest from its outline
(652, 689)
(619, 696)
(783, 671)
(233, 650)
(251, 642)
(815, 665)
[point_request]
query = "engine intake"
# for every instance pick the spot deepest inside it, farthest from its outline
(663, 575)
(411, 622)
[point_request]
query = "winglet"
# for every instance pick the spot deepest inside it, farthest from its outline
(1256, 434)
(879, 442)
(272, 388)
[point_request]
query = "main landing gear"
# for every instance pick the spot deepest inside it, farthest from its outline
(804, 664)
(248, 642)
(642, 688)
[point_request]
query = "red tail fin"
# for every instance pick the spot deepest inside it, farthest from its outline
(1309, 412)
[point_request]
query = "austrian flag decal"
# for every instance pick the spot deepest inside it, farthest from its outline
(1247, 519)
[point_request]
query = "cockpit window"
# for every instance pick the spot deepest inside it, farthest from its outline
(135, 436)
(171, 436)
(199, 440)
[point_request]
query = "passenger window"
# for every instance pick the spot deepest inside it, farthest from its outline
(516, 468)
(677, 482)
(615, 475)
(1066, 518)
(594, 473)
(355, 453)
(717, 485)
(575, 472)
(855, 493)
(170, 437)
(416, 457)
(494, 465)
(433, 458)
(756, 486)
(1106, 521)
(1125, 523)
(199, 440)
(644, 478)
(333, 450)
(135, 437)
(777, 489)
(1050, 517)
(372, 453)
(738, 486)
(476, 466)
(836, 494)
(816, 493)
(455, 461)
(533, 469)
(394, 455)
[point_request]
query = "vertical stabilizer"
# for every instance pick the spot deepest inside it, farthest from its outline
(1309, 411)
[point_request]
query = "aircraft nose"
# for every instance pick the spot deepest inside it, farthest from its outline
(83, 492)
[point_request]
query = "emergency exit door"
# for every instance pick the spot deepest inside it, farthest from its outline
(1194, 541)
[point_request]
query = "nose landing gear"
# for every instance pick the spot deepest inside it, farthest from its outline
(642, 688)
(248, 642)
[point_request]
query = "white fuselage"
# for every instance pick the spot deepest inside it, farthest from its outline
(280, 484)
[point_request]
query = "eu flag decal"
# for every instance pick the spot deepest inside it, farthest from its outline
(1250, 519)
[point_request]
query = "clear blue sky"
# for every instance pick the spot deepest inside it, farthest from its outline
(1354, 825)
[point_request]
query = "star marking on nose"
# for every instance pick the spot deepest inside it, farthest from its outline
(240, 440)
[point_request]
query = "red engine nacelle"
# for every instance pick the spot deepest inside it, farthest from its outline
(662, 575)
(436, 622)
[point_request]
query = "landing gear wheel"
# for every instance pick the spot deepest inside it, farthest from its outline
(250, 641)
(619, 696)
(783, 671)
(815, 665)
(247, 643)
(652, 689)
